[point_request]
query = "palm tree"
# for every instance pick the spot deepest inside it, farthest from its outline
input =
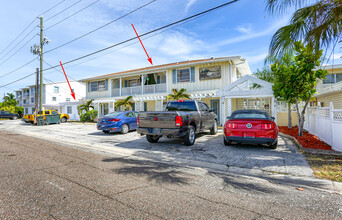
(177, 95)
(318, 24)
(85, 107)
(9, 97)
(124, 102)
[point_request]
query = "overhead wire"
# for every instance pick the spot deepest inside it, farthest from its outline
(29, 26)
(155, 30)
(63, 10)
(71, 15)
(18, 68)
(96, 29)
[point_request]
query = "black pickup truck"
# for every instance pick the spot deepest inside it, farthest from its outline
(182, 118)
(6, 114)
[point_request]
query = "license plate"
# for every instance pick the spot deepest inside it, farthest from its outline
(249, 135)
(156, 130)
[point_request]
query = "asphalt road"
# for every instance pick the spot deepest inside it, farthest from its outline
(43, 180)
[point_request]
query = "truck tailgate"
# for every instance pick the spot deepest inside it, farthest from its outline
(157, 119)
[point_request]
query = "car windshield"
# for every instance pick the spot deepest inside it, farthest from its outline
(246, 115)
(113, 114)
(181, 106)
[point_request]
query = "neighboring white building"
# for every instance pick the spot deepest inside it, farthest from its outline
(55, 96)
(149, 86)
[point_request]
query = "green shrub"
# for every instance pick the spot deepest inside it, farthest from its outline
(88, 116)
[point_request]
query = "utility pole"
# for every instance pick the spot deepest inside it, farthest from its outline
(36, 97)
(41, 65)
(38, 50)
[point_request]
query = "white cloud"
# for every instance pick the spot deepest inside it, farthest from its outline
(179, 44)
(256, 58)
(270, 30)
(245, 28)
(189, 4)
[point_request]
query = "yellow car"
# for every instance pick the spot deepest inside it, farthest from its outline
(30, 118)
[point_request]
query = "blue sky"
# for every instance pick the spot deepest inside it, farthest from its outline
(241, 29)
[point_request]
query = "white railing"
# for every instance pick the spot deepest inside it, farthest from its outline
(135, 90)
(115, 92)
(326, 124)
(155, 88)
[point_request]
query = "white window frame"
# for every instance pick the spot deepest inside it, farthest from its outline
(54, 99)
(183, 69)
(67, 99)
(97, 86)
(56, 89)
(69, 107)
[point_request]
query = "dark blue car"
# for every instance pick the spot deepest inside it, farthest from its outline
(118, 122)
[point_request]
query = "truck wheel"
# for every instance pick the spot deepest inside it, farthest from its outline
(213, 130)
(64, 119)
(152, 138)
(189, 138)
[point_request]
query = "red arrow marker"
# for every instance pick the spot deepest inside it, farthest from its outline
(72, 93)
(148, 58)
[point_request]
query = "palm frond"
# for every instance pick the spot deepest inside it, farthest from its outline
(281, 6)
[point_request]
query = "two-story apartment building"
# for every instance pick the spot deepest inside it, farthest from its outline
(55, 96)
(150, 86)
(330, 89)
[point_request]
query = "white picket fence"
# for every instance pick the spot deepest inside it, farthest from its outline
(326, 124)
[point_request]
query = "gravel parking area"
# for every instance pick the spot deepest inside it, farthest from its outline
(286, 159)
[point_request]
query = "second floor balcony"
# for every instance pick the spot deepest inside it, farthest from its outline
(138, 90)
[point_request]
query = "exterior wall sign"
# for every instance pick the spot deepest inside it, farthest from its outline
(211, 72)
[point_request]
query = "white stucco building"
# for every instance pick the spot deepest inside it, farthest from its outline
(55, 96)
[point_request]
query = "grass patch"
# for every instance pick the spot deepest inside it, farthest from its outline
(325, 166)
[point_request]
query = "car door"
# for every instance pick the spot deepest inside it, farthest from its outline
(134, 120)
(205, 115)
(7, 114)
(129, 119)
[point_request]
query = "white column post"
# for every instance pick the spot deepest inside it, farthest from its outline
(222, 110)
(120, 86)
(142, 84)
(110, 87)
(167, 81)
(331, 111)
(274, 109)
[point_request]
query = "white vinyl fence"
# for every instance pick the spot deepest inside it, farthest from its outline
(326, 124)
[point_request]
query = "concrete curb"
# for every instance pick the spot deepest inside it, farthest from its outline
(308, 150)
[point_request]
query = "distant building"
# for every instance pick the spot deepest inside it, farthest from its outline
(55, 96)
(330, 89)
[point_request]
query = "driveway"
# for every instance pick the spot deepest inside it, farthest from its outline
(286, 159)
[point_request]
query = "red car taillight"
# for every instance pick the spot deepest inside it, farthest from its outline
(138, 120)
(231, 125)
(179, 121)
(114, 119)
(267, 126)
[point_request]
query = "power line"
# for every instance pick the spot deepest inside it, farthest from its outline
(18, 68)
(71, 15)
(18, 36)
(163, 27)
(58, 70)
(158, 29)
(144, 38)
(18, 49)
(53, 6)
(63, 10)
(28, 27)
(125, 15)
(18, 43)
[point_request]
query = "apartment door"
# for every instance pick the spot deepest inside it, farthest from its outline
(215, 104)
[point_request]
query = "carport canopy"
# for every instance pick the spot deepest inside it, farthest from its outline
(246, 87)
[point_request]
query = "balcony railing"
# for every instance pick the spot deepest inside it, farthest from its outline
(136, 90)
(155, 88)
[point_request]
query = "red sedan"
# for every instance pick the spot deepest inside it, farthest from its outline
(251, 127)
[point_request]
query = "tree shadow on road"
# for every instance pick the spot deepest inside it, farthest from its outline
(153, 171)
